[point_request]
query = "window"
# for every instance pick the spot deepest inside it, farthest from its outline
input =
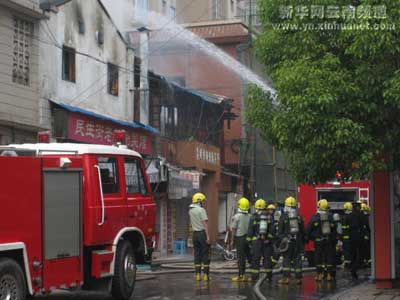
(135, 183)
(109, 174)
(68, 64)
(141, 8)
(112, 81)
(22, 44)
(172, 14)
(169, 120)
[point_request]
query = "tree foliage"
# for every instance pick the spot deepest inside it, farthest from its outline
(338, 91)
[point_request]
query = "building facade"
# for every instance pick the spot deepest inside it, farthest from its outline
(19, 80)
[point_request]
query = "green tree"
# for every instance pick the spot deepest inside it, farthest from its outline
(338, 86)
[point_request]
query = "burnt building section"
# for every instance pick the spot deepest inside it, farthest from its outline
(190, 144)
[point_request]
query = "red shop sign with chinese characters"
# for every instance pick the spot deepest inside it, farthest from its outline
(95, 131)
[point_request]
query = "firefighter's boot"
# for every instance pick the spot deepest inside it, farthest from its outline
(284, 280)
(198, 277)
(206, 278)
(319, 277)
(329, 277)
(239, 278)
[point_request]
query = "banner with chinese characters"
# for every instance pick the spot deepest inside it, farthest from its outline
(96, 131)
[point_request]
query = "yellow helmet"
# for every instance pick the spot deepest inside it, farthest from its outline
(271, 206)
(291, 202)
(348, 206)
(260, 204)
(323, 204)
(243, 204)
(365, 207)
(198, 198)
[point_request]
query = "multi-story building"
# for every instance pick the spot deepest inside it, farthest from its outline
(86, 74)
(204, 10)
(19, 81)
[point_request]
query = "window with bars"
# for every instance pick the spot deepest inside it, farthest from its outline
(22, 47)
(113, 79)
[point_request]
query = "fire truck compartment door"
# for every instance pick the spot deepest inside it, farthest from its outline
(62, 210)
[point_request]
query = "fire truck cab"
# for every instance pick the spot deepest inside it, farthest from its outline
(337, 193)
(72, 216)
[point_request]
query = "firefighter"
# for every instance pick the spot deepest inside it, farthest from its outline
(201, 237)
(239, 227)
(348, 208)
(261, 234)
(366, 236)
(277, 215)
(291, 231)
(334, 242)
(320, 231)
(354, 224)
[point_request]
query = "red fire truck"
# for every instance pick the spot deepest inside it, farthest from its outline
(336, 192)
(72, 216)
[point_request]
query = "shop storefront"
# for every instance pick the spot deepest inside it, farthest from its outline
(204, 159)
(73, 124)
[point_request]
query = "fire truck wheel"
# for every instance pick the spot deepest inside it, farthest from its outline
(12, 280)
(123, 282)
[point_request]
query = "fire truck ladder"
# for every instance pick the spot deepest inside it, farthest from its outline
(363, 194)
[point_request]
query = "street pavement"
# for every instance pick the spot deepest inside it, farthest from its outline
(366, 291)
(183, 287)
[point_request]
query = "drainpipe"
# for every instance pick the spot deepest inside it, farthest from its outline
(144, 81)
(130, 80)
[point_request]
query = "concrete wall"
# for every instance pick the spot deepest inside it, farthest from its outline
(205, 10)
(90, 89)
(19, 112)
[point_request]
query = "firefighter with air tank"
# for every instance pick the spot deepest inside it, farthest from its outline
(293, 237)
(321, 229)
(366, 236)
(261, 235)
(239, 226)
(353, 223)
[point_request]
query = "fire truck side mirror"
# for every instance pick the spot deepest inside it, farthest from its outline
(64, 162)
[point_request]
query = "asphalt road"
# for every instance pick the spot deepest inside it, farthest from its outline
(183, 287)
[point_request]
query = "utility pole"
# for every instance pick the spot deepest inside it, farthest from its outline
(252, 131)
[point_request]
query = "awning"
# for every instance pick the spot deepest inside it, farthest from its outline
(152, 172)
(178, 185)
(79, 110)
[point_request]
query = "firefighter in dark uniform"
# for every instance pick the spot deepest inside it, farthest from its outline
(354, 224)
(366, 236)
(348, 208)
(277, 215)
(320, 231)
(291, 231)
(262, 235)
(334, 240)
(239, 227)
(201, 237)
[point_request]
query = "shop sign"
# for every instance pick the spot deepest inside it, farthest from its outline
(95, 131)
(211, 157)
